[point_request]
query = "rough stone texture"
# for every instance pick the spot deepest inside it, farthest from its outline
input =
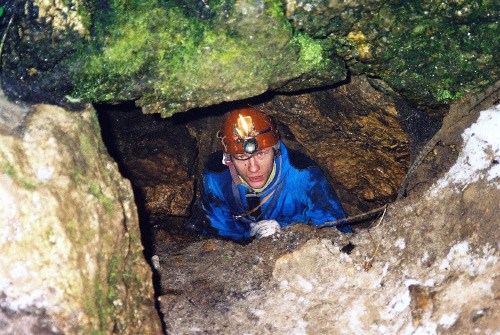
(432, 52)
(41, 35)
(156, 154)
(72, 260)
(12, 114)
(177, 55)
(171, 56)
(354, 132)
(168, 57)
(429, 265)
(439, 154)
(321, 18)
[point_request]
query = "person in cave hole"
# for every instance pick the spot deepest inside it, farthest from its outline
(260, 185)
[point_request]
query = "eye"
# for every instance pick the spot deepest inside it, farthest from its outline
(242, 157)
(261, 154)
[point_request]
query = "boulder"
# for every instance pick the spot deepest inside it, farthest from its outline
(356, 134)
(172, 56)
(72, 260)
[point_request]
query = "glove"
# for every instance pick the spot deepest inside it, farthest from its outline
(264, 228)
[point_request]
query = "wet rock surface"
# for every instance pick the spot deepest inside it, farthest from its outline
(158, 155)
(172, 56)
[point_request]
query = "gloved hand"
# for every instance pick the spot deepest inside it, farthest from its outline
(264, 228)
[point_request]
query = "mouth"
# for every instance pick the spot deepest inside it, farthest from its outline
(256, 179)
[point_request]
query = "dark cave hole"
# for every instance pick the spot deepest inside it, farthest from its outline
(163, 159)
(348, 248)
(161, 155)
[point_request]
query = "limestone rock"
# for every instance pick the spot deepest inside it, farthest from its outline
(429, 265)
(72, 258)
(174, 55)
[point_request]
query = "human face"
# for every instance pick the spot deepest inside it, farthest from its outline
(256, 168)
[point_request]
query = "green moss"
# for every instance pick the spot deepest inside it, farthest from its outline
(102, 307)
(443, 95)
(87, 149)
(71, 228)
(79, 234)
(109, 286)
(106, 284)
(107, 202)
(114, 278)
(436, 51)
(27, 185)
(137, 38)
(175, 57)
(10, 170)
(311, 51)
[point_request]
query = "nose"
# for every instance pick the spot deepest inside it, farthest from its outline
(253, 165)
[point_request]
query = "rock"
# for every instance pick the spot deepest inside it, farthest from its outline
(156, 154)
(355, 133)
(348, 130)
(429, 265)
(12, 114)
(175, 55)
(167, 57)
(72, 259)
(41, 36)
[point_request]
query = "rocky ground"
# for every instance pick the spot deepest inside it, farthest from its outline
(429, 265)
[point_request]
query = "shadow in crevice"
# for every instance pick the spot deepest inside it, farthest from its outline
(110, 136)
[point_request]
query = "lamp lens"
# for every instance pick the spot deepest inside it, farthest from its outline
(250, 145)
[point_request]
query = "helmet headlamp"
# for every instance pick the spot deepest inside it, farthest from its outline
(250, 145)
(246, 130)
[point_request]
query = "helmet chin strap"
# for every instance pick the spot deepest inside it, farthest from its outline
(234, 174)
(226, 160)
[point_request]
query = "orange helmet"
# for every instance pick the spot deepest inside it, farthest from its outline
(246, 130)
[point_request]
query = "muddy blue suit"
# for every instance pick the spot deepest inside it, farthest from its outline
(301, 194)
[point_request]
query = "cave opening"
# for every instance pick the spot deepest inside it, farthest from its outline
(363, 138)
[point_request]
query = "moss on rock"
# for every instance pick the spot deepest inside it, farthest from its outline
(174, 59)
(430, 51)
(75, 235)
(433, 52)
(173, 55)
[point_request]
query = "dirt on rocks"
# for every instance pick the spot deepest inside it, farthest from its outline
(429, 264)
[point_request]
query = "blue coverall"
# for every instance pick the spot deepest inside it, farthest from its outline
(302, 194)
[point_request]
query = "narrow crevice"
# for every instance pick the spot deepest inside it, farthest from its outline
(362, 139)
(109, 133)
